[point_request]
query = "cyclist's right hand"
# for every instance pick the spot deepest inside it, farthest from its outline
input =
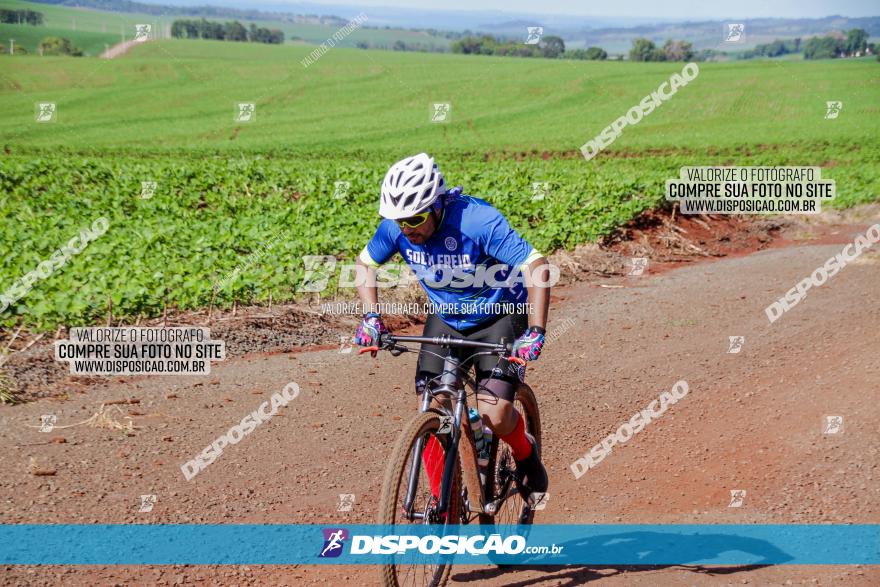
(370, 329)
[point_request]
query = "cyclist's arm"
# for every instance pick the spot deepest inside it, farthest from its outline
(380, 249)
(538, 289)
(366, 288)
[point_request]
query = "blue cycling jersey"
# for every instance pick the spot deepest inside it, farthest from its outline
(469, 267)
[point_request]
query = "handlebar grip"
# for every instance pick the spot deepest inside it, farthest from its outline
(516, 360)
(368, 349)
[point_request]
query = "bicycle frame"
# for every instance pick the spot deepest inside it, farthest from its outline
(453, 385)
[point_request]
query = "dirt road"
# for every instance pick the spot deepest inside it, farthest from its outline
(752, 421)
(121, 49)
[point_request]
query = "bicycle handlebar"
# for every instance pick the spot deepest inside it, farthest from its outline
(387, 341)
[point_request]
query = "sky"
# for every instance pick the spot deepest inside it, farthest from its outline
(677, 9)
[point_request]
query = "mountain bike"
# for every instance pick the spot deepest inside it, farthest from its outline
(467, 492)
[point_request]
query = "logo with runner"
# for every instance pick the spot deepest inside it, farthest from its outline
(334, 539)
(832, 109)
(534, 35)
(440, 111)
(147, 503)
(46, 112)
(736, 344)
(148, 189)
(450, 243)
(737, 497)
(445, 425)
(47, 422)
(833, 425)
(735, 33)
(142, 32)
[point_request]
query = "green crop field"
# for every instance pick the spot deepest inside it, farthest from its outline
(184, 91)
(250, 199)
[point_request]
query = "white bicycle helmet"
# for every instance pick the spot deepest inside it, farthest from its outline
(410, 187)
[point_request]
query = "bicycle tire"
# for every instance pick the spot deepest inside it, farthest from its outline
(394, 487)
(529, 410)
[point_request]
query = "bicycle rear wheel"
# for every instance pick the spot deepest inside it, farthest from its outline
(514, 509)
(394, 490)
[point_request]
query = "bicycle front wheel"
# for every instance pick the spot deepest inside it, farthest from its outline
(418, 458)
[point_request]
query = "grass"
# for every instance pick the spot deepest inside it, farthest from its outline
(351, 100)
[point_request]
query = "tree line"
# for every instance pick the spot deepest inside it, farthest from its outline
(549, 46)
(31, 17)
(230, 31)
(646, 50)
(830, 47)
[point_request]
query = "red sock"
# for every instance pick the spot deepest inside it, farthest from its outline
(432, 459)
(517, 441)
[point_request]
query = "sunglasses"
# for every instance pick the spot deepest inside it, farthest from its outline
(415, 221)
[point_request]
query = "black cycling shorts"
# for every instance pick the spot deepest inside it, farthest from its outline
(494, 377)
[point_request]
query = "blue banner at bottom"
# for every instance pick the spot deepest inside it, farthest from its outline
(604, 544)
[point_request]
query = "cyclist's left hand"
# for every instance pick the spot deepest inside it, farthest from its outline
(528, 346)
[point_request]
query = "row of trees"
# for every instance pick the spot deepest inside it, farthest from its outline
(853, 44)
(399, 45)
(550, 47)
(774, 49)
(231, 31)
(31, 17)
(646, 50)
(590, 54)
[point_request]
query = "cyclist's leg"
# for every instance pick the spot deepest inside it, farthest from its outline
(495, 395)
(498, 380)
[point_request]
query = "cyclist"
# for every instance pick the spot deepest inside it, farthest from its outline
(438, 231)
